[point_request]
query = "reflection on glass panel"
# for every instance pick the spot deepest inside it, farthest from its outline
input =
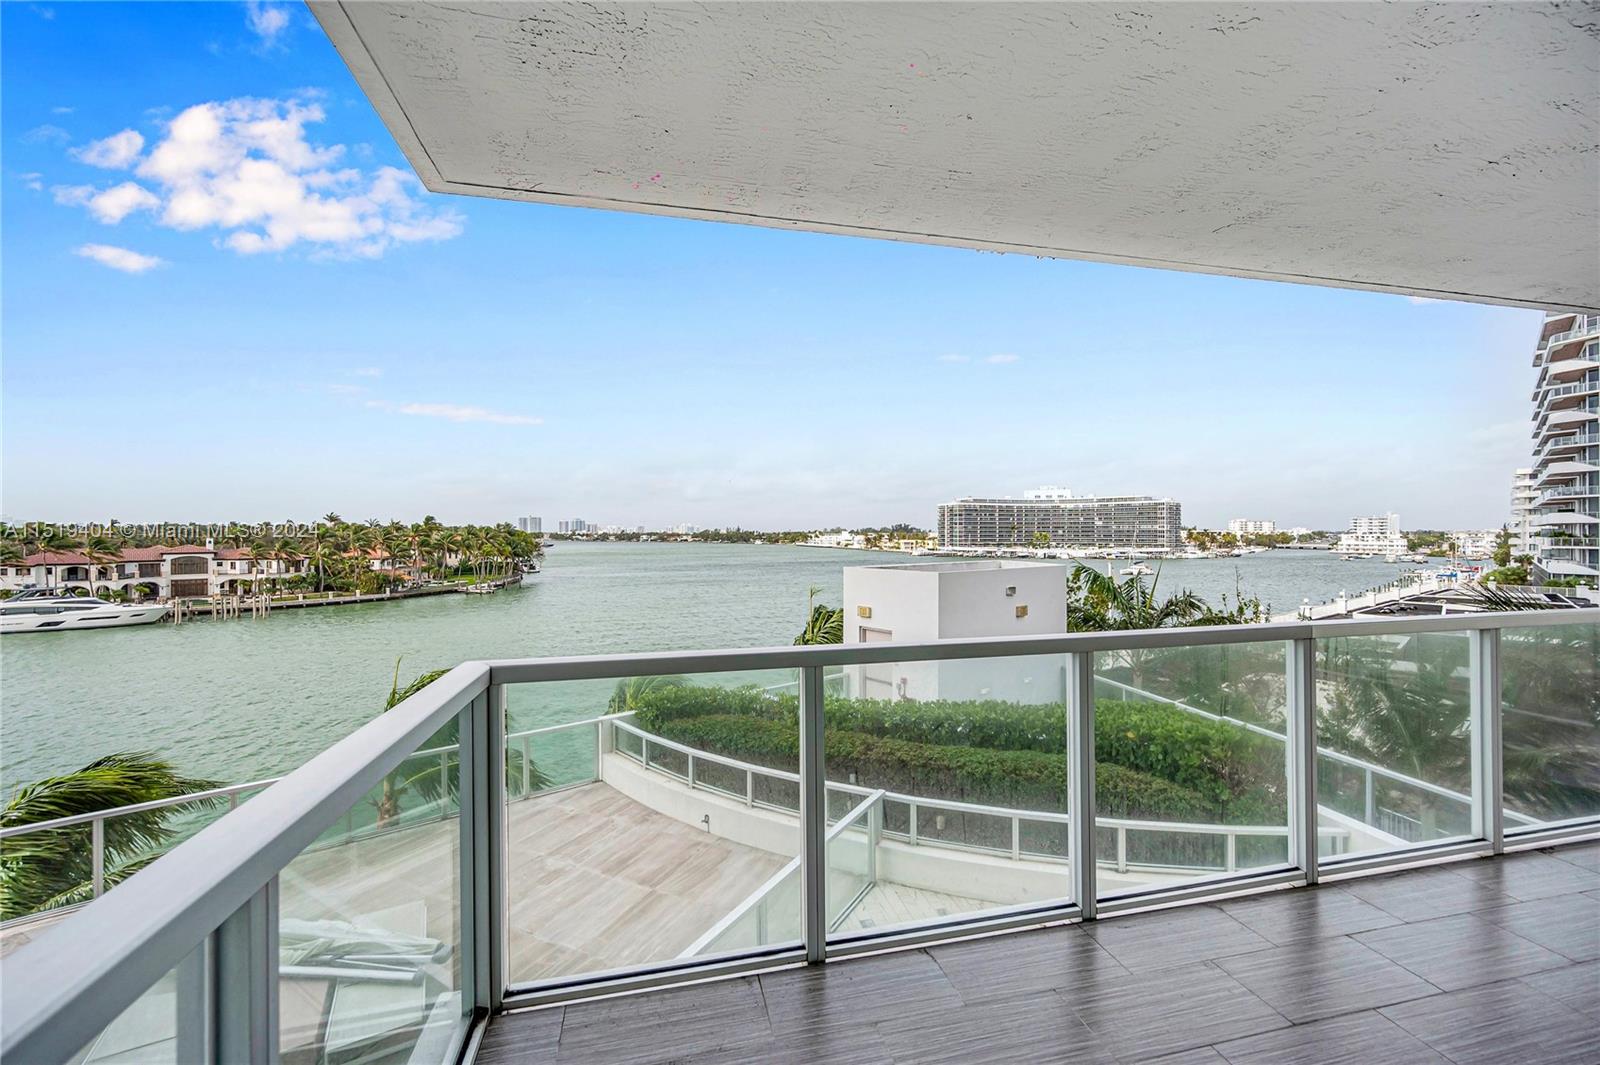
(663, 823)
(147, 1032)
(1191, 764)
(1394, 763)
(369, 921)
(1550, 728)
(948, 790)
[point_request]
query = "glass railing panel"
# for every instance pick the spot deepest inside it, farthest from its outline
(852, 857)
(46, 870)
(1191, 764)
(147, 1032)
(667, 843)
(972, 758)
(369, 922)
(1550, 723)
(1394, 766)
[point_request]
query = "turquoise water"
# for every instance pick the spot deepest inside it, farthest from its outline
(249, 698)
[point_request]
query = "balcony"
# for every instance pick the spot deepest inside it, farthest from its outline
(532, 832)
(1564, 470)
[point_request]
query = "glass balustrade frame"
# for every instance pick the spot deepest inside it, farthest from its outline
(210, 904)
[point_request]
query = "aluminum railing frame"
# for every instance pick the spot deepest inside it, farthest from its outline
(208, 909)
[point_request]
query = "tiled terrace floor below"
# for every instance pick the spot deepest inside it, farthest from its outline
(1491, 960)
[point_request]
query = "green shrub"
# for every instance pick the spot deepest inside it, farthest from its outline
(1019, 779)
(1239, 774)
(654, 709)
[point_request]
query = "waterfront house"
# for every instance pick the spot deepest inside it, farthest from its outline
(160, 572)
(778, 872)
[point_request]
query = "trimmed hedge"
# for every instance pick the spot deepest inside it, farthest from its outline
(1238, 774)
(1020, 779)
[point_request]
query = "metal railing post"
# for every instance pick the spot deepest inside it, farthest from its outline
(1488, 795)
(246, 987)
(481, 786)
(1016, 839)
(1122, 849)
(749, 788)
(527, 766)
(97, 855)
(813, 816)
(912, 815)
(195, 1015)
(1080, 777)
(1301, 748)
(1372, 799)
(874, 835)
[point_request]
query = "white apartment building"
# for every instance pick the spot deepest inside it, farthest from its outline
(1377, 534)
(955, 600)
(1252, 527)
(531, 524)
(156, 572)
(1067, 520)
(1565, 524)
(1523, 497)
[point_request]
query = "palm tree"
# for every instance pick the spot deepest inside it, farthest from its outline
(632, 691)
(824, 624)
(42, 870)
(425, 777)
(1097, 602)
(260, 551)
(99, 550)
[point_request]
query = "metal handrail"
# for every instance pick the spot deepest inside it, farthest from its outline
(919, 802)
(83, 972)
(91, 967)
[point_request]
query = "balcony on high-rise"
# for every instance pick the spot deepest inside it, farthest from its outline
(1291, 841)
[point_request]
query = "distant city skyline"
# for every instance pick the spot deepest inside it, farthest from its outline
(221, 262)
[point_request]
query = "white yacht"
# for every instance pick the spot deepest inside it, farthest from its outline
(1138, 569)
(47, 610)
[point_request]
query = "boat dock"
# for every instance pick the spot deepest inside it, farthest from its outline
(230, 606)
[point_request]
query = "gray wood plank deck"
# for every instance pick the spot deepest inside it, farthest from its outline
(1461, 963)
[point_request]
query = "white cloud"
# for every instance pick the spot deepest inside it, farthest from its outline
(246, 169)
(42, 134)
(953, 358)
(110, 206)
(33, 180)
(453, 412)
(1001, 360)
(116, 152)
(129, 262)
(61, 110)
(367, 371)
(266, 20)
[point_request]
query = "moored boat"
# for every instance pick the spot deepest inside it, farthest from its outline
(46, 610)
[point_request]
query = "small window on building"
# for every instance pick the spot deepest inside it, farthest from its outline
(1022, 611)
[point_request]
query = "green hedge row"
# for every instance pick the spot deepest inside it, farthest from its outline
(1238, 773)
(1020, 779)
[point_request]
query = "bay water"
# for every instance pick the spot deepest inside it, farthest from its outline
(248, 698)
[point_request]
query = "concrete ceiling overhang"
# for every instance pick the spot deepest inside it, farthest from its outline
(1435, 149)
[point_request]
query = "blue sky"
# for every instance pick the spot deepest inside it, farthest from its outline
(247, 308)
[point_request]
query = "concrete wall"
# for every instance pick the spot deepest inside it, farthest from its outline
(956, 600)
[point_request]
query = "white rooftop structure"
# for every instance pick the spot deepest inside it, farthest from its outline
(1437, 150)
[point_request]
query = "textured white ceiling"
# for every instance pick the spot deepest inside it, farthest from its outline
(1445, 149)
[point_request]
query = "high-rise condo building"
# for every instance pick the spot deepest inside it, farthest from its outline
(1068, 521)
(1523, 497)
(531, 524)
(1565, 525)
(1378, 534)
(1251, 527)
